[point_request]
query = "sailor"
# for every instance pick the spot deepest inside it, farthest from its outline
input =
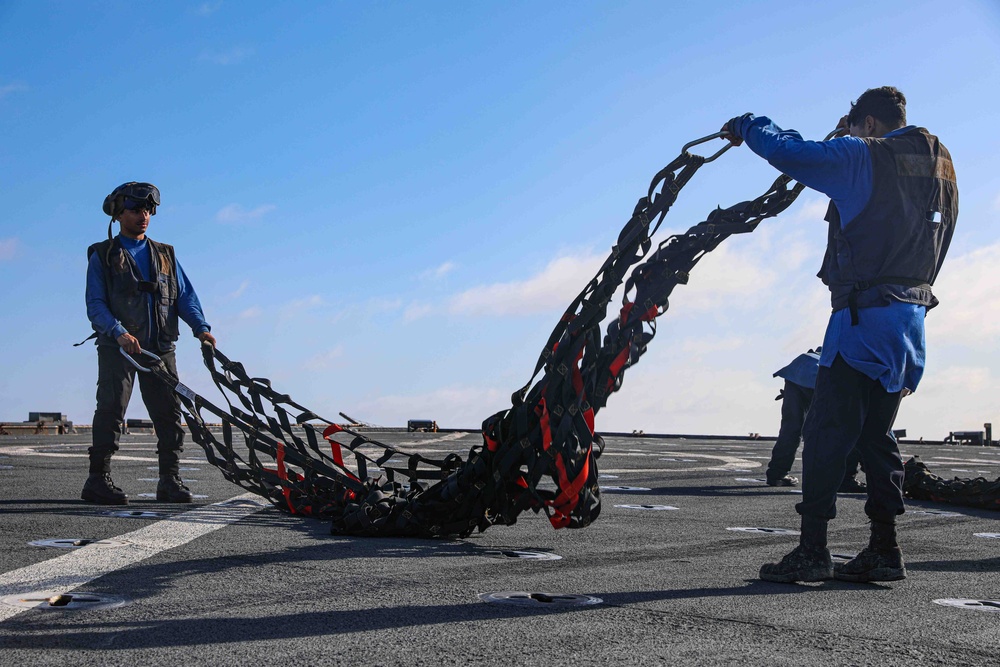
(136, 290)
(796, 397)
(894, 203)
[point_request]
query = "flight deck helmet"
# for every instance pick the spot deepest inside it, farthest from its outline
(132, 195)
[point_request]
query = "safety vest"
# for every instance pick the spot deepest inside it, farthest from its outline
(894, 248)
(128, 294)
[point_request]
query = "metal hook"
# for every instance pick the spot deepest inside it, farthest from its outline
(135, 363)
(709, 138)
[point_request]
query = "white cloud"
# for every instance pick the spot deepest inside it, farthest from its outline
(969, 290)
(250, 313)
(729, 277)
(8, 248)
(691, 398)
(240, 290)
(438, 272)
(9, 88)
(231, 56)
(455, 406)
(326, 359)
(550, 290)
(208, 8)
(415, 311)
(301, 305)
(956, 398)
(808, 211)
(706, 345)
(234, 213)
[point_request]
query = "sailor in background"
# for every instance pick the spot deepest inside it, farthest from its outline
(796, 397)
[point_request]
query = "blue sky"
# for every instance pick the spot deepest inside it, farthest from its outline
(385, 206)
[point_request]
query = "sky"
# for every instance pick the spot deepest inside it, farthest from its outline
(385, 207)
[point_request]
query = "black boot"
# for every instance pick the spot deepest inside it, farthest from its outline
(171, 489)
(881, 560)
(787, 480)
(100, 489)
(852, 485)
(810, 561)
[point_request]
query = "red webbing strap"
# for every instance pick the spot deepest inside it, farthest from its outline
(283, 476)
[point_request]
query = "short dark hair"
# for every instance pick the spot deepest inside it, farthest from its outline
(886, 104)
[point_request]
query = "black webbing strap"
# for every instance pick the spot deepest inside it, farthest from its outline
(366, 487)
(861, 286)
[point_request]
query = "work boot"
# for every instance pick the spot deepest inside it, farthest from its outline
(787, 480)
(881, 560)
(801, 564)
(810, 561)
(99, 488)
(852, 485)
(171, 489)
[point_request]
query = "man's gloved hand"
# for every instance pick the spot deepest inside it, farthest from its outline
(129, 343)
(733, 128)
(206, 337)
(843, 129)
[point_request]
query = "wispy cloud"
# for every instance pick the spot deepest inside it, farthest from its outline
(363, 311)
(450, 406)
(415, 311)
(235, 214)
(8, 248)
(250, 313)
(208, 8)
(697, 347)
(969, 298)
(438, 272)
(325, 359)
(231, 56)
(240, 290)
(730, 276)
(551, 289)
(9, 88)
(302, 305)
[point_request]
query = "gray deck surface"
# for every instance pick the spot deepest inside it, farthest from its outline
(677, 586)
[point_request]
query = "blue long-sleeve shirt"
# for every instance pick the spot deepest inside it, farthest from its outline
(888, 343)
(187, 304)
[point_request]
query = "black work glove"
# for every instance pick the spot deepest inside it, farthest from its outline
(733, 127)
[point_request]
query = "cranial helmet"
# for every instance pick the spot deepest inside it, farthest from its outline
(135, 192)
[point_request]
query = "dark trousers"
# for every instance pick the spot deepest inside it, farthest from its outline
(795, 403)
(115, 379)
(850, 409)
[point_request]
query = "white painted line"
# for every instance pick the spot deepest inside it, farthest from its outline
(729, 464)
(951, 460)
(30, 451)
(77, 568)
(447, 437)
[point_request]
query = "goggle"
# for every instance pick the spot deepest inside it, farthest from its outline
(139, 205)
(141, 192)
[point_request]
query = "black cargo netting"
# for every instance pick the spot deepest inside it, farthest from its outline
(366, 487)
(920, 483)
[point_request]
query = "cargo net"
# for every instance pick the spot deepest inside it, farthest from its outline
(546, 437)
(920, 483)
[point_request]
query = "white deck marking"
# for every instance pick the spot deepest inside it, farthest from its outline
(77, 568)
(447, 437)
(729, 463)
(31, 451)
(950, 459)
